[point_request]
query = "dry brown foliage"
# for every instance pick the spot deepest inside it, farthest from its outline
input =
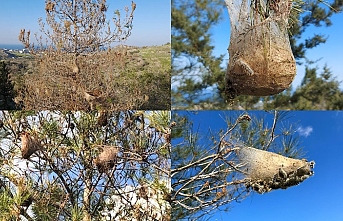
(49, 7)
(77, 70)
(93, 81)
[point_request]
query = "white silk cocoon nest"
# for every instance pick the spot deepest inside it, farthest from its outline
(268, 171)
(261, 62)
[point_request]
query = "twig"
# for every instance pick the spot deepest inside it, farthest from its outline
(272, 136)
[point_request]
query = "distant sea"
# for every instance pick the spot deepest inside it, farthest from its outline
(12, 46)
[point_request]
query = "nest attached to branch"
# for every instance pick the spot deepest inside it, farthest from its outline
(261, 61)
(102, 119)
(269, 171)
(29, 145)
(107, 158)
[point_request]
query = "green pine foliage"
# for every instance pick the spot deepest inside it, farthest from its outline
(62, 179)
(6, 88)
(191, 40)
(202, 176)
(318, 91)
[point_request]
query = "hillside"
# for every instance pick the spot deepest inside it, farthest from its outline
(119, 79)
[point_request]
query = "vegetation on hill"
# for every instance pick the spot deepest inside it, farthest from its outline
(140, 75)
(6, 88)
(76, 69)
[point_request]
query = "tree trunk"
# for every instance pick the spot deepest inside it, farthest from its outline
(86, 197)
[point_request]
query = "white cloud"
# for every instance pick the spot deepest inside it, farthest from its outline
(305, 131)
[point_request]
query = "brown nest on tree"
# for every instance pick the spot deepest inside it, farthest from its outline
(102, 119)
(29, 145)
(107, 158)
(261, 61)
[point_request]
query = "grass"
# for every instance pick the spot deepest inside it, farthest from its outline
(22, 55)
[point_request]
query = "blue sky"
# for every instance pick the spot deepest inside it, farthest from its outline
(151, 24)
(317, 198)
(330, 53)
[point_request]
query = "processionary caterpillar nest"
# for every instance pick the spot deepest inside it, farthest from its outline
(261, 62)
(29, 145)
(268, 171)
(107, 158)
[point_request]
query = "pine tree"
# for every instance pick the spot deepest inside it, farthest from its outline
(75, 68)
(6, 89)
(318, 91)
(196, 69)
(206, 174)
(79, 161)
